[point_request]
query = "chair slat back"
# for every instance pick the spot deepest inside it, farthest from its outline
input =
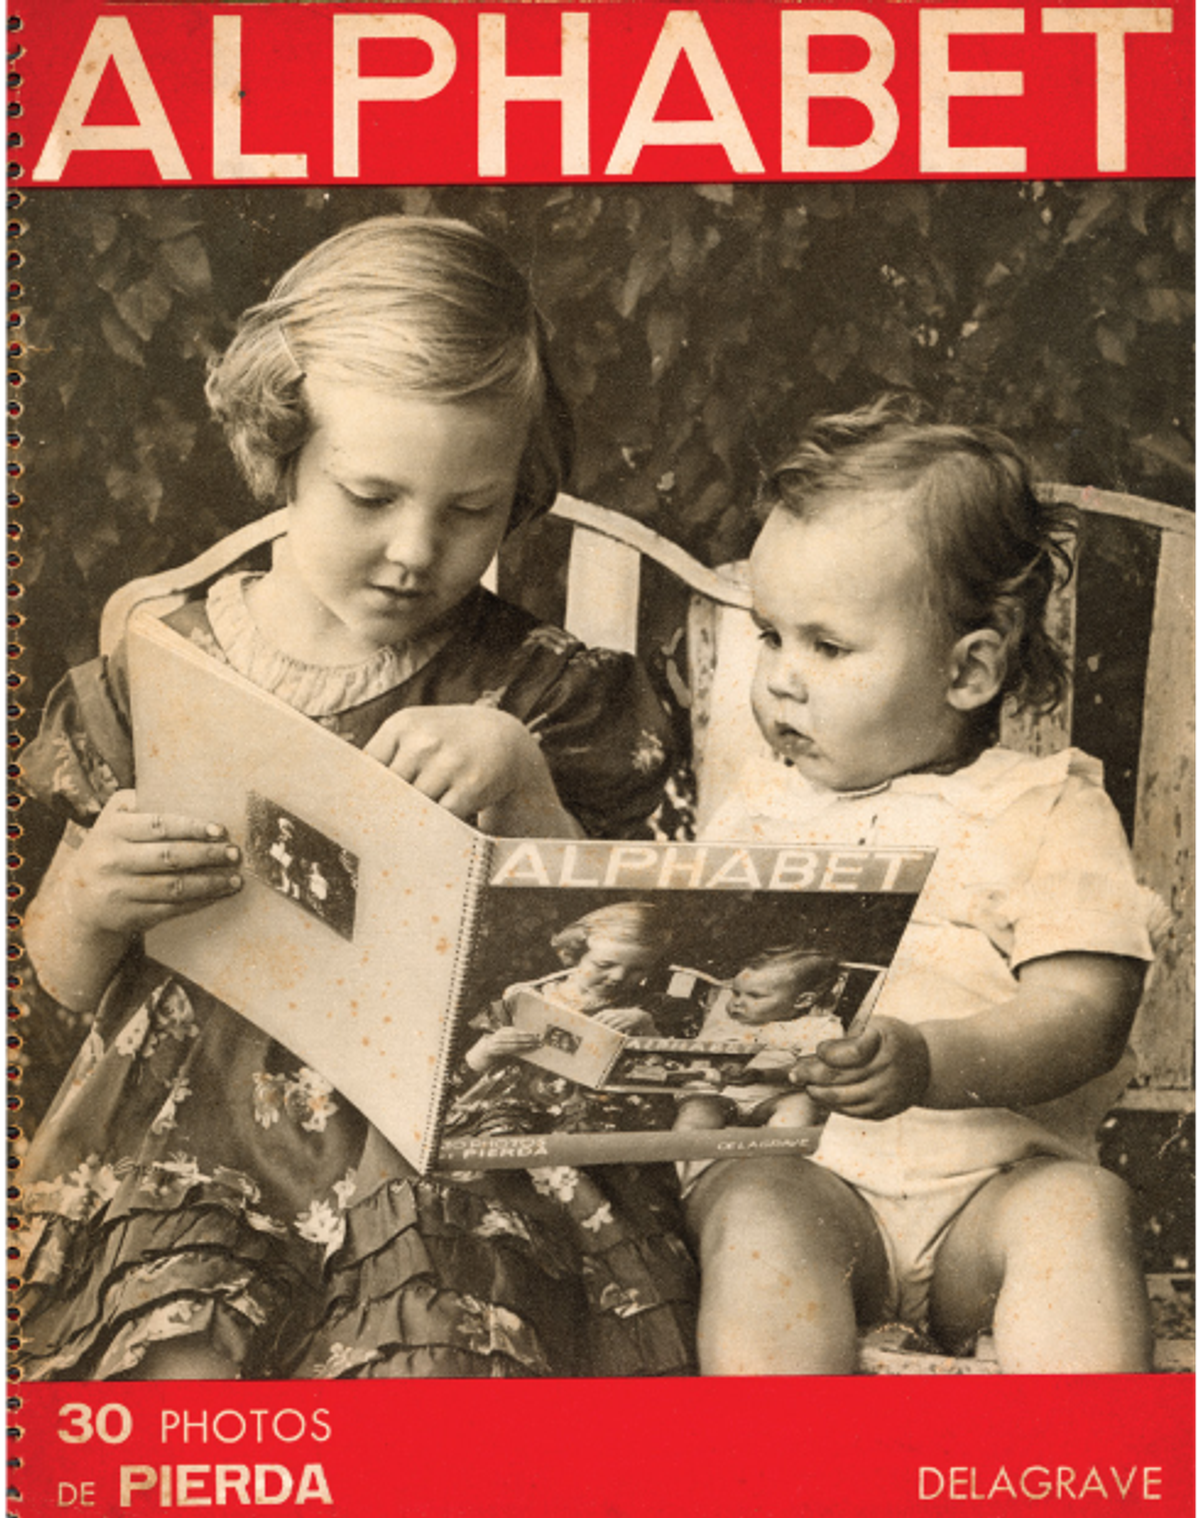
(1164, 837)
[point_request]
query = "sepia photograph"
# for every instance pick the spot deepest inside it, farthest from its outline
(302, 864)
(680, 347)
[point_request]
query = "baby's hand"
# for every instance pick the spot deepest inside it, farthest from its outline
(626, 1020)
(878, 1074)
(477, 762)
(134, 869)
(504, 1043)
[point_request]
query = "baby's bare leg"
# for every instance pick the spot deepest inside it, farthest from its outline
(702, 1111)
(788, 1252)
(795, 1110)
(1046, 1253)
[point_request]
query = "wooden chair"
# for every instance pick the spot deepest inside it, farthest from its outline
(1132, 652)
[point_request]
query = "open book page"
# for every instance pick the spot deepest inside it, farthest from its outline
(345, 940)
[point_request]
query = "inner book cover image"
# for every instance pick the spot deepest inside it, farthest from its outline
(673, 1012)
(510, 1001)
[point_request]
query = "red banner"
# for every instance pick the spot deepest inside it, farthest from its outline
(183, 93)
(771, 1448)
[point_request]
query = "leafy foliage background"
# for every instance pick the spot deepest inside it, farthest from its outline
(696, 328)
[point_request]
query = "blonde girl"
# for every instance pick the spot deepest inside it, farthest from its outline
(197, 1202)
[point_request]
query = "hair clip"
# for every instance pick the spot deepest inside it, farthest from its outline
(285, 344)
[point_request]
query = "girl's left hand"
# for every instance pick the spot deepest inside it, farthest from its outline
(883, 1071)
(477, 762)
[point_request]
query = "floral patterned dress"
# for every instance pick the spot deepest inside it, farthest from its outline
(192, 1177)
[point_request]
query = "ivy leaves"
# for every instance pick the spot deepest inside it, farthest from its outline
(695, 329)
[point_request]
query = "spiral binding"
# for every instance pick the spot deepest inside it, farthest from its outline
(14, 711)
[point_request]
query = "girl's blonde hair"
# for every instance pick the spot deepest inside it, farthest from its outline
(996, 552)
(428, 307)
(637, 922)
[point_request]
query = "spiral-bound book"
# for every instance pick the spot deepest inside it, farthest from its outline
(733, 217)
(503, 1002)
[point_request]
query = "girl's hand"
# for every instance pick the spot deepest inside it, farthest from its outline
(883, 1071)
(134, 869)
(504, 1043)
(626, 1020)
(477, 762)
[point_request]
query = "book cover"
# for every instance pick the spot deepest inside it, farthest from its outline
(383, 940)
(734, 217)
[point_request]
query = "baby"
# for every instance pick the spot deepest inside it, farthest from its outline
(781, 1002)
(900, 587)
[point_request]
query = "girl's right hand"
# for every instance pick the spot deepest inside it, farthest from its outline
(504, 1043)
(134, 869)
(627, 1020)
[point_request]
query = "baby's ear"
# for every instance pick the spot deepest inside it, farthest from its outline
(978, 664)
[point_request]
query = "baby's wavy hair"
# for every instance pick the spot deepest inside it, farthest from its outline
(813, 971)
(996, 552)
(420, 306)
(636, 922)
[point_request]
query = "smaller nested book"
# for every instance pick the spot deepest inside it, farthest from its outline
(503, 1002)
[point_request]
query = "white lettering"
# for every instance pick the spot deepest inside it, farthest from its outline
(631, 858)
(738, 870)
(239, 1424)
(229, 162)
(112, 41)
(692, 872)
(867, 85)
(312, 1486)
(277, 1422)
(523, 864)
(895, 863)
(189, 1480)
(939, 84)
(282, 1492)
(350, 88)
(567, 876)
(1110, 26)
(231, 1478)
(684, 35)
(1002, 1484)
(136, 1478)
(794, 868)
(1093, 1483)
(497, 88)
(843, 872)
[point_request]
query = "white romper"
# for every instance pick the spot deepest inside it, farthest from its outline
(1032, 861)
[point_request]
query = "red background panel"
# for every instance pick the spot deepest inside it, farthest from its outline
(771, 1448)
(288, 91)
